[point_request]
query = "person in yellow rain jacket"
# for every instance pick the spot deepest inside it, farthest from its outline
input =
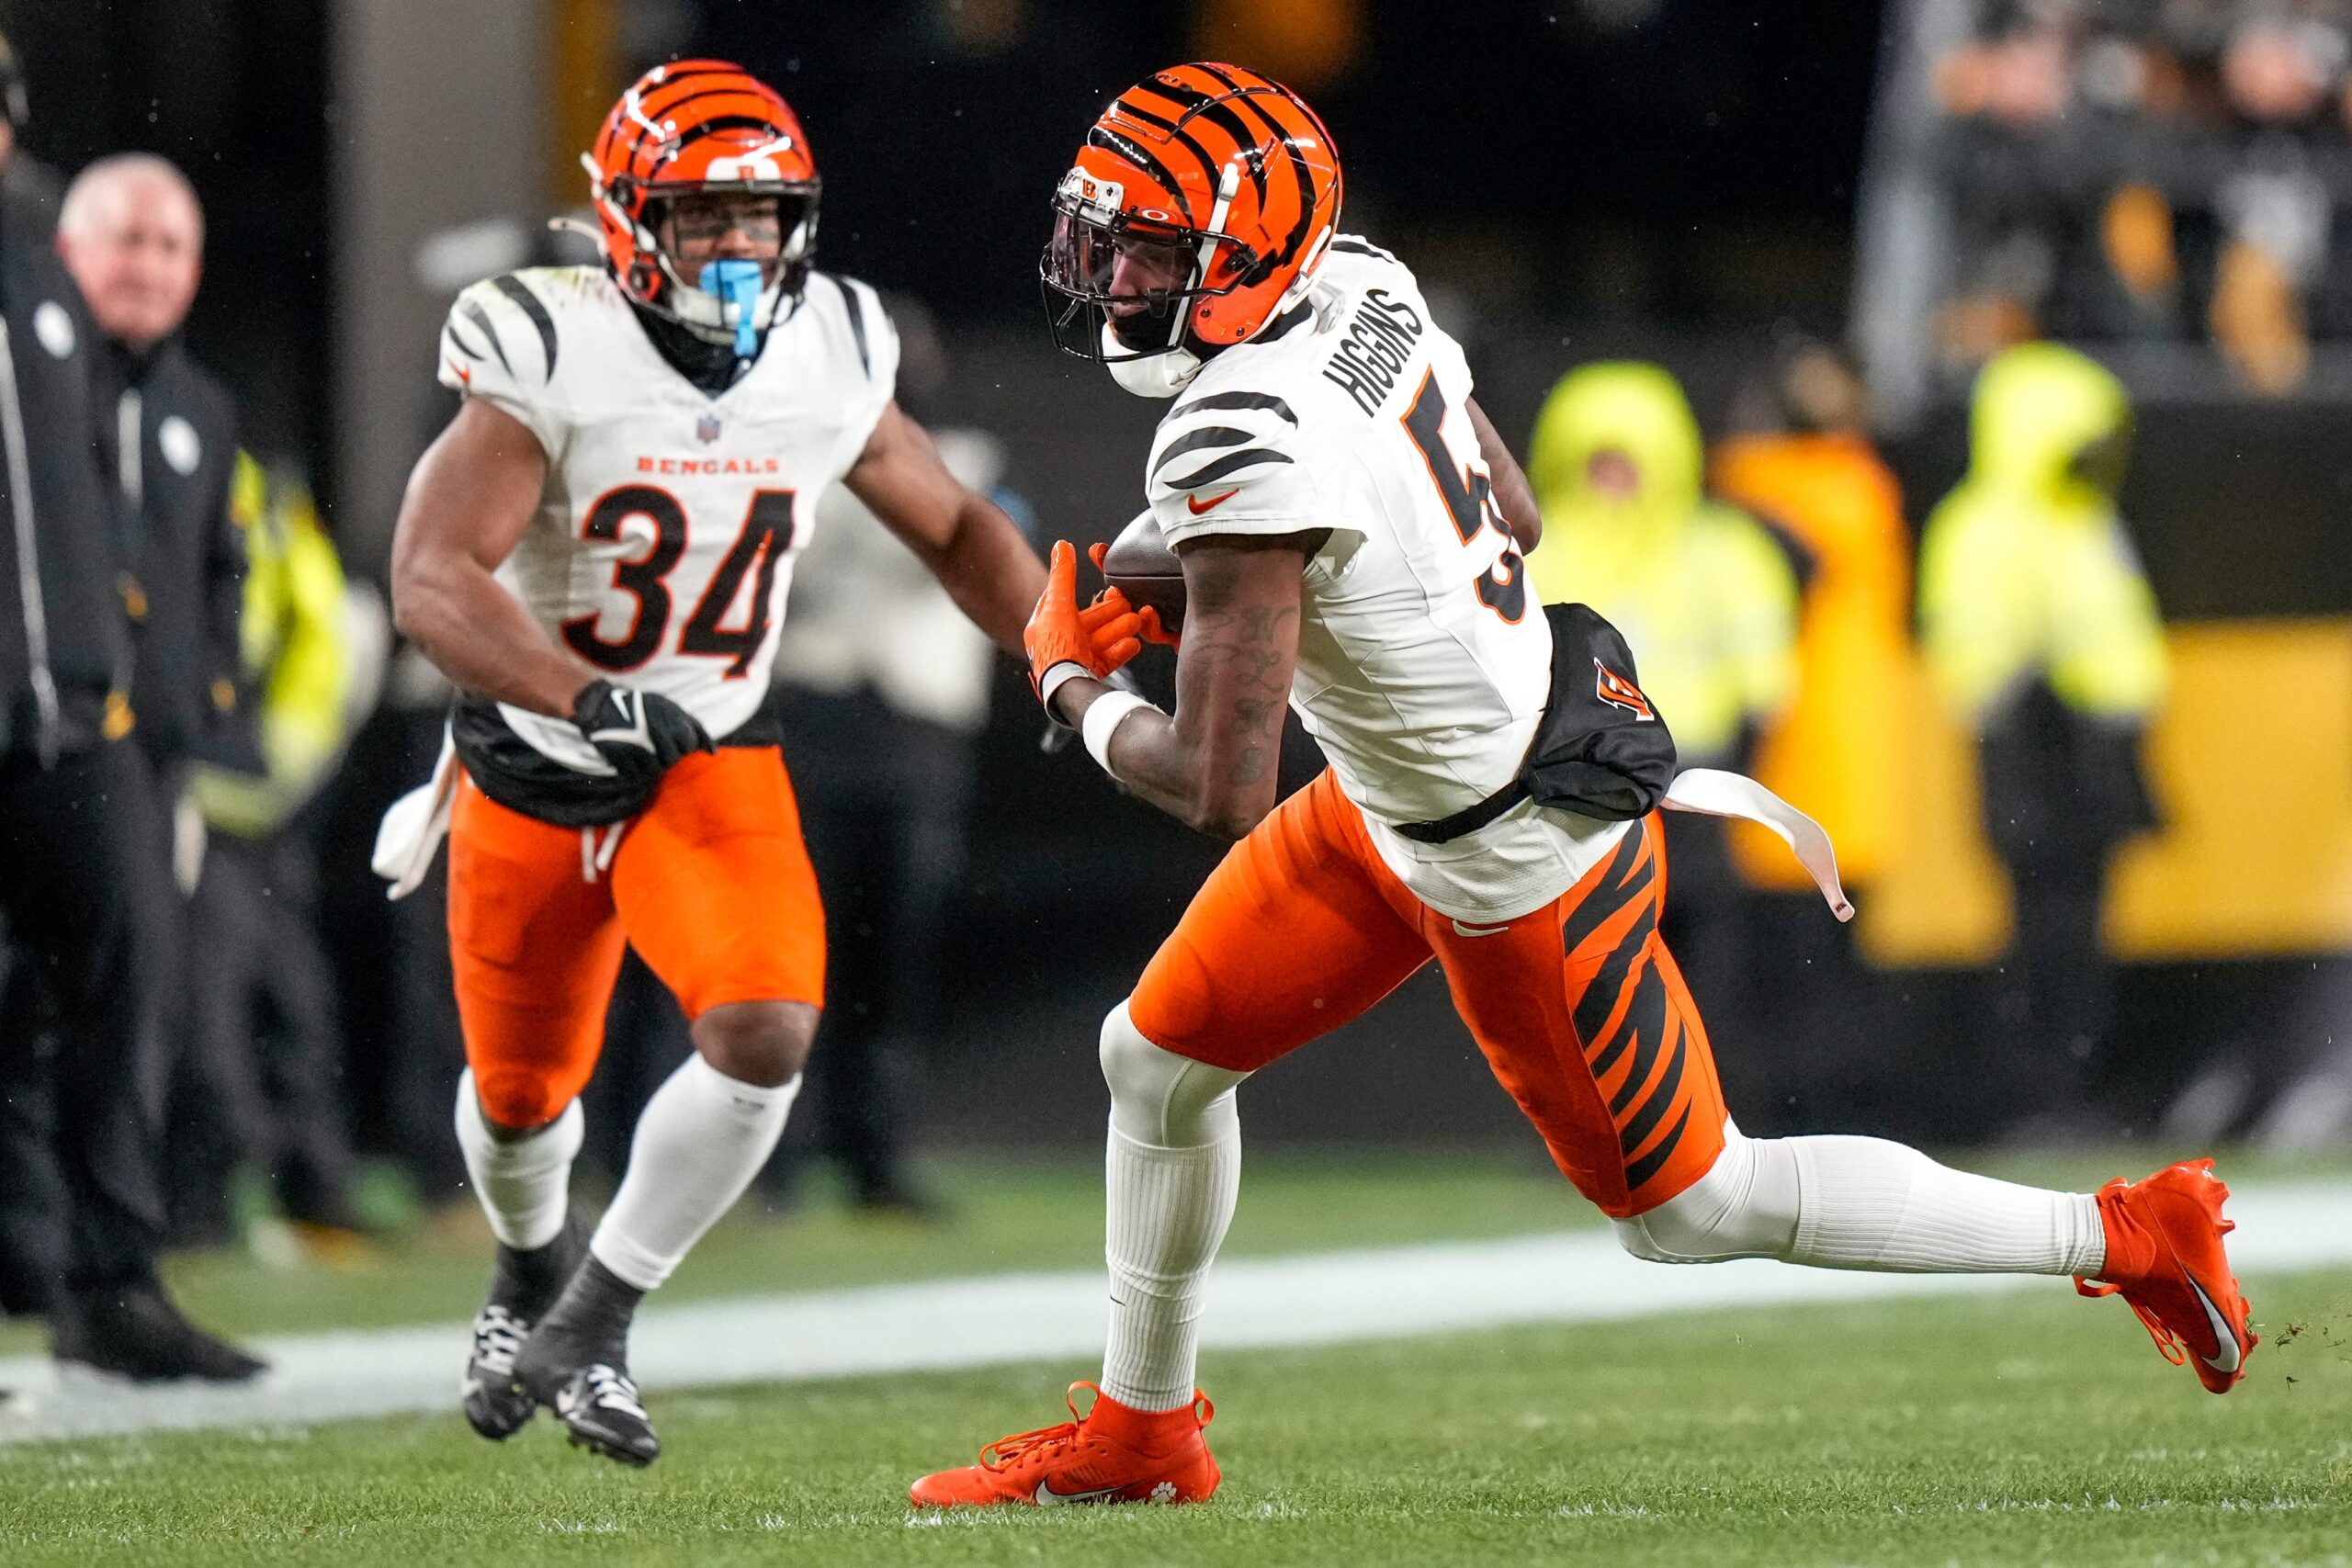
(2042, 632)
(1705, 596)
(1707, 599)
(264, 1089)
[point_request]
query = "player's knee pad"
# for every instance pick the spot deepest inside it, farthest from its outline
(1746, 1206)
(1158, 1097)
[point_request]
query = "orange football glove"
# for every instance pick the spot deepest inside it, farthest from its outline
(1098, 638)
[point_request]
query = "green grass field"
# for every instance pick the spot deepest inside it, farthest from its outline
(2025, 1428)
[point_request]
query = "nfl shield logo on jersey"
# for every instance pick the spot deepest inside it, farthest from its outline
(706, 429)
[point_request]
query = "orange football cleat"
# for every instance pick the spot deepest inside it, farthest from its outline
(1111, 1454)
(2165, 1258)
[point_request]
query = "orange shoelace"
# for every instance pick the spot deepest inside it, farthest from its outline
(1007, 1451)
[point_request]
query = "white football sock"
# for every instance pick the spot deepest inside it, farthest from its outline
(1171, 1175)
(524, 1184)
(1838, 1203)
(702, 1138)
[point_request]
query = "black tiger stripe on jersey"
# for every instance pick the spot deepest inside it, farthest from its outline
(514, 289)
(1238, 401)
(449, 330)
(1361, 247)
(1599, 1003)
(1649, 1022)
(480, 319)
(1233, 463)
(1627, 878)
(1660, 1099)
(1641, 1029)
(1207, 435)
(1650, 1164)
(856, 321)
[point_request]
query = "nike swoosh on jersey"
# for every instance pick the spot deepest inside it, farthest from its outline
(1460, 929)
(1046, 1497)
(2223, 1334)
(1195, 505)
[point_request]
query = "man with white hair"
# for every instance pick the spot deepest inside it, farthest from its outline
(76, 818)
(132, 234)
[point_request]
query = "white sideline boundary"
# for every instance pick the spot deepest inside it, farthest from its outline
(1318, 1299)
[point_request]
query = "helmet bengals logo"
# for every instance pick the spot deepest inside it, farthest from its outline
(1615, 689)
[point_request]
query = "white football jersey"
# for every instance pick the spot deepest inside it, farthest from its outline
(665, 538)
(1424, 660)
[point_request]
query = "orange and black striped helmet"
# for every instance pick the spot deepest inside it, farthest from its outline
(1197, 213)
(688, 128)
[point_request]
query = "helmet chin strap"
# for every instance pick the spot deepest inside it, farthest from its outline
(1160, 375)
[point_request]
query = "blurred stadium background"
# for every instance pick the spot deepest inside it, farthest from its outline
(1821, 220)
(1742, 194)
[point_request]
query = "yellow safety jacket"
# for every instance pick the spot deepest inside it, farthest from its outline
(296, 647)
(2026, 571)
(1705, 597)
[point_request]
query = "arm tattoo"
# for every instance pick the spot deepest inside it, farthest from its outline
(1247, 643)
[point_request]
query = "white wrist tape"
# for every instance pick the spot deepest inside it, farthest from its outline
(1102, 720)
(1055, 678)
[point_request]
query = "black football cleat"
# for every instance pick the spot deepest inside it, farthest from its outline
(136, 1334)
(576, 1363)
(524, 1286)
(599, 1407)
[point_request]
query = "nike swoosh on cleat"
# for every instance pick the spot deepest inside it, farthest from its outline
(1048, 1497)
(2223, 1334)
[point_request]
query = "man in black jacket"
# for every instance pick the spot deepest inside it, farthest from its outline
(132, 234)
(77, 820)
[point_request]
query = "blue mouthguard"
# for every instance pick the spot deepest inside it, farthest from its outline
(737, 283)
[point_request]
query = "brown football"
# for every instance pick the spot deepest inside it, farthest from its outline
(1141, 566)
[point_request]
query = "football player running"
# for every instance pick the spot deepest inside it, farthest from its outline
(596, 551)
(1350, 533)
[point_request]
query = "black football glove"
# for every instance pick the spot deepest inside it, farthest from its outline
(641, 734)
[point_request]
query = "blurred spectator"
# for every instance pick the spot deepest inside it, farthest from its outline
(2043, 633)
(1705, 596)
(263, 1084)
(1803, 464)
(132, 234)
(78, 823)
(28, 189)
(2279, 71)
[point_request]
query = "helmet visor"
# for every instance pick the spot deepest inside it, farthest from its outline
(1135, 278)
(697, 225)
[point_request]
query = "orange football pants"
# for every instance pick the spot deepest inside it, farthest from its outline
(1578, 1006)
(711, 885)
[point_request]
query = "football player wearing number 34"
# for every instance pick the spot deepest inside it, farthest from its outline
(596, 550)
(1351, 535)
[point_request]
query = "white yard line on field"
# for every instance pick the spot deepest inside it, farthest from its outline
(1324, 1298)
